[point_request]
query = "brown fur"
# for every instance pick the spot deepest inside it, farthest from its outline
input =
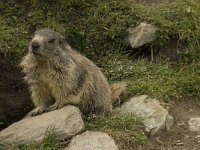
(57, 75)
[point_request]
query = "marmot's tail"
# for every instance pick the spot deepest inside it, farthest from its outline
(117, 89)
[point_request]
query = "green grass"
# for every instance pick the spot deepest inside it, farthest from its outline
(99, 27)
(160, 80)
(13, 41)
(122, 128)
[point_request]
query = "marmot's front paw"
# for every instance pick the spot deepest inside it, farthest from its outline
(35, 112)
(54, 107)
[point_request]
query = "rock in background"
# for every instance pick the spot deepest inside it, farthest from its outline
(152, 114)
(92, 140)
(141, 35)
(64, 123)
(194, 124)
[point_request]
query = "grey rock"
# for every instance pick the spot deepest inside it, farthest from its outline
(92, 140)
(141, 35)
(152, 114)
(64, 123)
(194, 124)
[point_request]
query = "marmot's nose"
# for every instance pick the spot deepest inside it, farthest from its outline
(35, 46)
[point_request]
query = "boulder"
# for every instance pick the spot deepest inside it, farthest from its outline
(92, 140)
(152, 114)
(194, 124)
(64, 123)
(141, 35)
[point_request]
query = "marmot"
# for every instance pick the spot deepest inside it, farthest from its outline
(57, 75)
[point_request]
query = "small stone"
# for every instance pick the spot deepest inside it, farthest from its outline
(190, 110)
(179, 144)
(64, 123)
(194, 124)
(186, 137)
(180, 124)
(92, 140)
(169, 122)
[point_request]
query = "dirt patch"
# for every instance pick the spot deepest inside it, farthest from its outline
(179, 138)
(14, 96)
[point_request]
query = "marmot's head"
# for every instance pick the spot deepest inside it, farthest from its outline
(46, 43)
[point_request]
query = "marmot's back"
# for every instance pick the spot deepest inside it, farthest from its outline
(96, 97)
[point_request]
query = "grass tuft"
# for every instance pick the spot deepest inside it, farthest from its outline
(125, 128)
(49, 143)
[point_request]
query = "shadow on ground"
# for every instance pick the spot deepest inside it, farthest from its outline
(14, 97)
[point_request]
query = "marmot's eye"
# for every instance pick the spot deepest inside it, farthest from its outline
(51, 40)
